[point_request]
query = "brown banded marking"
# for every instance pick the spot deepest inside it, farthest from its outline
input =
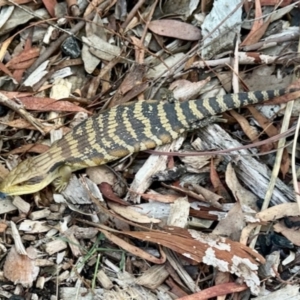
(132, 127)
(164, 121)
(86, 139)
(48, 159)
(181, 116)
(107, 128)
(89, 158)
(101, 143)
(99, 127)
(150, 139)
(114, 134)
(129, 128)
(128, 124)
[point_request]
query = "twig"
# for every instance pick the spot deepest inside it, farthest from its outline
(19, 108)
(132, 13)
(96, 81)
(293, 163)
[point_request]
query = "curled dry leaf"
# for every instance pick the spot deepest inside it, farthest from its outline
(175, 29)
(100, 48)
(218, 186)
(259, 27)
(109, 194)
(249, 130)
(279, 211)
(245, 197)
(21, 268)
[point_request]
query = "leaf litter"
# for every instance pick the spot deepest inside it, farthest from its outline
(151, 226)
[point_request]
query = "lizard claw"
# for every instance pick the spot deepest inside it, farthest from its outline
(62, 181)
(60, 184)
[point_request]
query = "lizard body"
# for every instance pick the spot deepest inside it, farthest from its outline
(117, 132)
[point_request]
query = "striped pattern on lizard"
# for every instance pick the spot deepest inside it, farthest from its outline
(117, 132)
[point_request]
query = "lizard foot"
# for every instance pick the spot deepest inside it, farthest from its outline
(62, 181)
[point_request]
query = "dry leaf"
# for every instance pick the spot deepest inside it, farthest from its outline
(259, 27)
(217, 183)
(31, 148)
(175, 29)
(232, 224)
(49, 104)
(245, 197)
(21, 268)
(279, 211)
(24, 59)
(217, 290)
(109, 194)
(248, 130)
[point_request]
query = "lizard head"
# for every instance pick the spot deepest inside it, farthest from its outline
(27, 178)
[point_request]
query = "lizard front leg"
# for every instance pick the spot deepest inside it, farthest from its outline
(61, 182)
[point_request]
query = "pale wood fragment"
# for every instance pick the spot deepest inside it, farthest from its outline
(40, 214)
(104, 280)
(22, 205)
(55, 246)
